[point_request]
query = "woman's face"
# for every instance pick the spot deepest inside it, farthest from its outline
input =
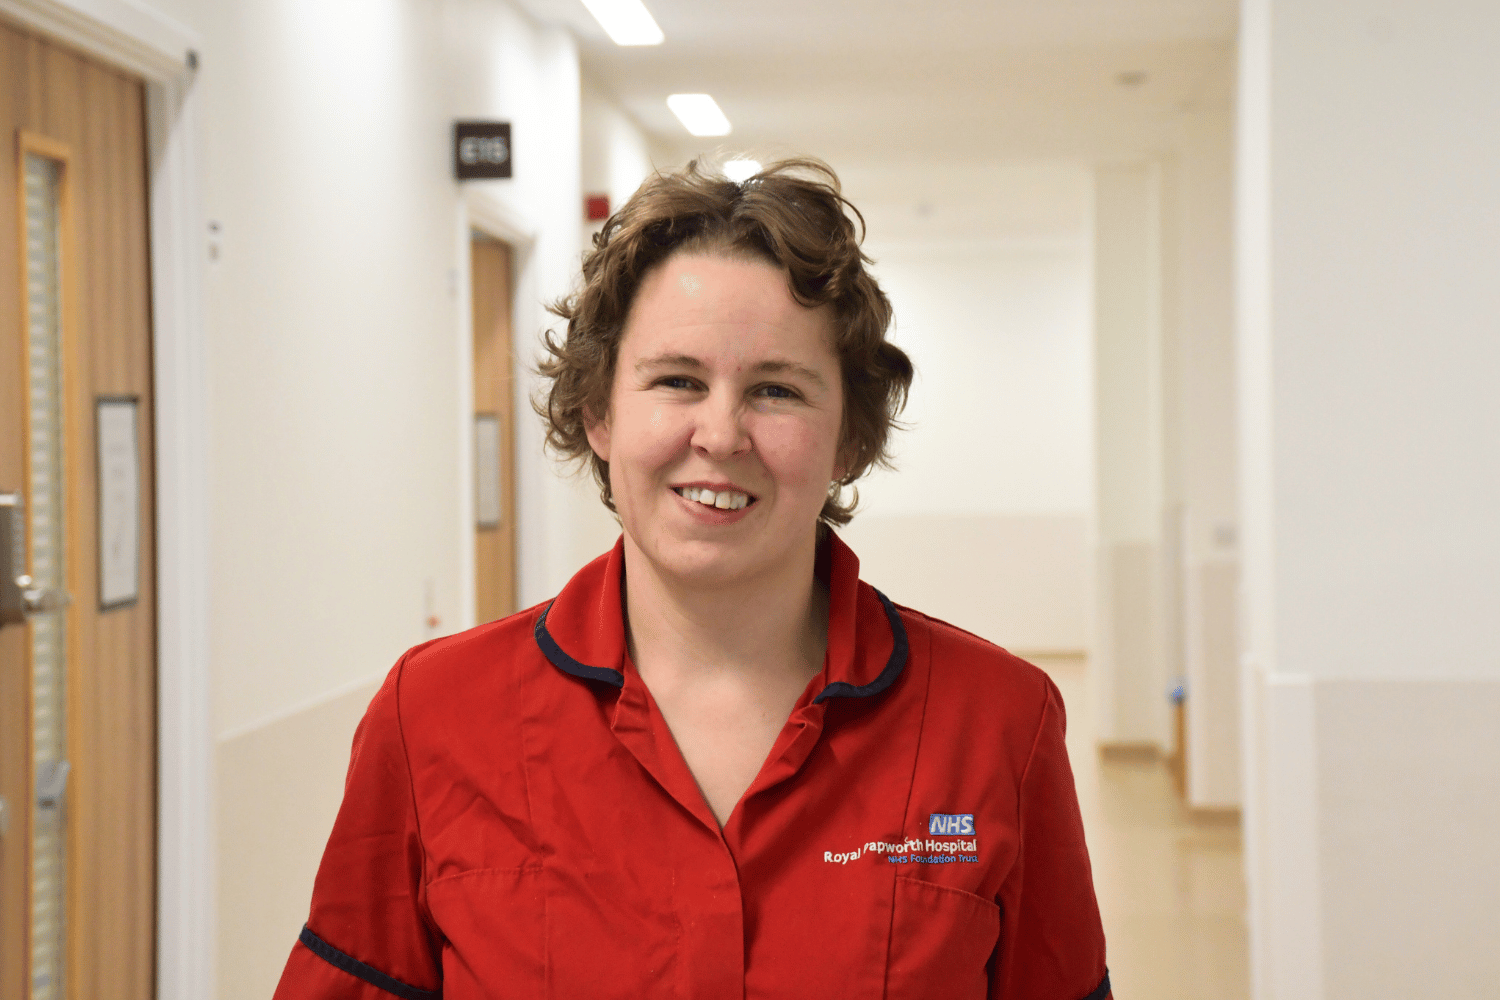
(723, 429)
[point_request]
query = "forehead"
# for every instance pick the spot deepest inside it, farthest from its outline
(725, 306)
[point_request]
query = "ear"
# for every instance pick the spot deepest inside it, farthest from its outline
(598, 432)
(842, 461)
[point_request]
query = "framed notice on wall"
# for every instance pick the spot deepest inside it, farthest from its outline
(119, 469)
(486, 470)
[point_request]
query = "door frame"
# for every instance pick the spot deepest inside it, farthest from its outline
(478, 209)
(165, 53)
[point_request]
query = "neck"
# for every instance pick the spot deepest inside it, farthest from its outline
(771, 625)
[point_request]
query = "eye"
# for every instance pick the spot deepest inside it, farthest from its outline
(676, 382)
(777, 392)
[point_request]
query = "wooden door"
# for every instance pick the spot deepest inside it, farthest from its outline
(494, 429)
(77, 683)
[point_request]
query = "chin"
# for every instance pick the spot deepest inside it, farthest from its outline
(709, 564)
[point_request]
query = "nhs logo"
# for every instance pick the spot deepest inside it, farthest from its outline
(951, 824)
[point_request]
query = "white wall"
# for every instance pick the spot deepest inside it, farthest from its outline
(1166, 554)
(340, 385)
(1130, 666)
(333, 301)
(615, 158)
(985, 521)
(1202, 510)
(999, 410)
(334, 375)
(616, 155)
(499, 64)
(332, 359)
(1370, 483)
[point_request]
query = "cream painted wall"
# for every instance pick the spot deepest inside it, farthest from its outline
(499, 64)
(984, 522)
(1019, 580)
(279, 786)
(339, 512)
(616, 155)
(615, 158)
(1201, 429)
(339, 381)
(1131, 666)
(1384, 351)
(1127, 331)
(332, 358)
(333, 301)
(1369, 487)
(1166, 552)
(999, 412)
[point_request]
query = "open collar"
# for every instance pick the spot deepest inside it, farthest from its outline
(582, 631)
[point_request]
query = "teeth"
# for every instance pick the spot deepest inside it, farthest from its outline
(724, 500)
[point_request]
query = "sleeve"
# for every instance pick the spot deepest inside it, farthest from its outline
(368, 936)
(1051, 940)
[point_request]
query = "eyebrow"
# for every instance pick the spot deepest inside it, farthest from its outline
(771, 366)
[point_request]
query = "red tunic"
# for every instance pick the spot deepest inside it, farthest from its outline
(518, 822)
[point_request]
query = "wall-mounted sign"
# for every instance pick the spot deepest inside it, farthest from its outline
(119, 501)
(487, 509)
(481, 150)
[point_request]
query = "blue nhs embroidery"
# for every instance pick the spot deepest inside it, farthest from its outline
(951, 824)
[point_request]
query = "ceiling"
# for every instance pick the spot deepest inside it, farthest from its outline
(875, 81)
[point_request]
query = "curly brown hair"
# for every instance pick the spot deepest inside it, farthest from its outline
(790, 214)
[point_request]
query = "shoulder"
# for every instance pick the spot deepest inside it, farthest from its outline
(466, 663)
(966, 670)
(458, 695)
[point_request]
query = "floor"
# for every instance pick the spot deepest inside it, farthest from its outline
(1170, 883)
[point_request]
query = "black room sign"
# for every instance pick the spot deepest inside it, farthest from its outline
(481, 150)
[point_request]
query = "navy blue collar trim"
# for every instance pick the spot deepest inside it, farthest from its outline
(893, 666)
(562, 661)
(838, 689)
(360, 970)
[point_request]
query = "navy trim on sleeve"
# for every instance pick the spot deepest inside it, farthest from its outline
(1102, 990)
(893, 666)
(562, 661)
(358, 969)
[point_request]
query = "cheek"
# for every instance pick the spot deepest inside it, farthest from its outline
(650, 436)
(799, 453)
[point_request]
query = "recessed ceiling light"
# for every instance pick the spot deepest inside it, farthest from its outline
(699, 114)
(627, 22)
(740, 171)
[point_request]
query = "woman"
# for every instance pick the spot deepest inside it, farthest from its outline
(716, 764)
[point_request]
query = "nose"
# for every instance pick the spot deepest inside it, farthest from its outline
(719, 430)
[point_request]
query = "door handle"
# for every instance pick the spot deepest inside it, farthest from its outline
(39, 599)
(19, 596)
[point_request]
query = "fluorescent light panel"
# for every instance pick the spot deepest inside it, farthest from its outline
(699, 114)
(740, 171)
(627, 22)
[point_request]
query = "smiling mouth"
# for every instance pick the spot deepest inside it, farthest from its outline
(723, 499)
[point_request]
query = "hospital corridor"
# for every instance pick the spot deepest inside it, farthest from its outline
(1151, 342)
(1170, 878)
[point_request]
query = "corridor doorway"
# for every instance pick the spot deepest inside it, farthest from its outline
(492, 281)
(78, 650)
